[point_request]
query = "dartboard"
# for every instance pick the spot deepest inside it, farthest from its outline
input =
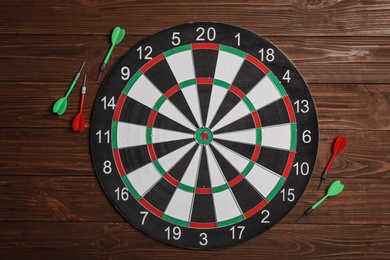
(204, 135)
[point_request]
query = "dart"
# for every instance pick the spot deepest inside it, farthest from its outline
(338, 147)
(79, 121)
(61, 104)
(116, 37)
(335, 188)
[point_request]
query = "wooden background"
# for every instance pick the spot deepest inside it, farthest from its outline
(51, 204)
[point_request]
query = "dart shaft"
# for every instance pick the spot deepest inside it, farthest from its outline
(108, 55)
(319, 202)
(330, 162)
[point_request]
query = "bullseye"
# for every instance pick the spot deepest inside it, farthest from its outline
(203, 136)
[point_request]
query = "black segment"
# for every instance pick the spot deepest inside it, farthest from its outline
(273, 159)
(203, 209)
(245, 150)
(165, 148)
(164, 122)
(246, 196)
(248, 76)
(205, 62)
(243, 123)
(134, 157)
(274, 114)
(228, 170)
(180, 102)
(228, 103)
(204, 174)
(204, 91)
(160, 195)
(134, 112)
(180, 167)
(161, 76)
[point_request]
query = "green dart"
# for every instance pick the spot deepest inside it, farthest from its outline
(335, 188)
(61, 104)
(116, 37)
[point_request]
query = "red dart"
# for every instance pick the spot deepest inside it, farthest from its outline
(338, 147)
(79, 121)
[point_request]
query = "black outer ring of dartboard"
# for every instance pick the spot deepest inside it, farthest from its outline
(219, 237)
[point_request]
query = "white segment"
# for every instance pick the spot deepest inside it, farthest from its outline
(129, 135)
(227, 66)
(172, 112)
(239, 111)
(169, 160)
(180, 205)
(162, 135)
(144, 92)
(262, 180)
(225, 206)
(144, 178)
(217, 96)
(190, 175)
(237, 161)
(264, 93)
(277, 136)
(192, 97)
(216, 176)
(182, 65)
(243, 136)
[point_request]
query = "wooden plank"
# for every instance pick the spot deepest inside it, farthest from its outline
(320, 59)
(339, 106)
(66, 198)
(292, 17)
(91, 240)
(63, 152)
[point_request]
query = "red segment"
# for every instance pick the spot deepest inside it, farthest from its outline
(118, 162)
(290, 109)
(236, 91)
(256, 119)
(255, 209)
(203, 225)
(152, 118)
(204, 81)
(203, 191)
(289, 164)
(235, 180)
(152, 63)
(149, 207)
(172, 91)
(257, 63)
(152, 153)
(171, 180)
(256, 153)
(119, 106)
(210, 46)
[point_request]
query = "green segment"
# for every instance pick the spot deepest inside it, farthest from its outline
(187, 83)
(149, 135)
(230, 221)
(293, 145)
(131, 82)
(186, 188)
(232, 50)
(275, 191)
(276, 82)
(131, 188)
(258, 136)
(159, 168)
(249, 104)
(114, 131)
(220, 188)
(248, 168)
(159, 103)
(221, 83)
(175, 221)
(177, 50)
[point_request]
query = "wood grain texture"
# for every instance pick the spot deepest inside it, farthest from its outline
(51, 203)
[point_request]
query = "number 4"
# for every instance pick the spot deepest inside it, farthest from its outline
(286, 76)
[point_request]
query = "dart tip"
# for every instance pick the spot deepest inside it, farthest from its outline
(98, 77)
(300, 217)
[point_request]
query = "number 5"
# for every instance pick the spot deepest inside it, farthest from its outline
(175, 38)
